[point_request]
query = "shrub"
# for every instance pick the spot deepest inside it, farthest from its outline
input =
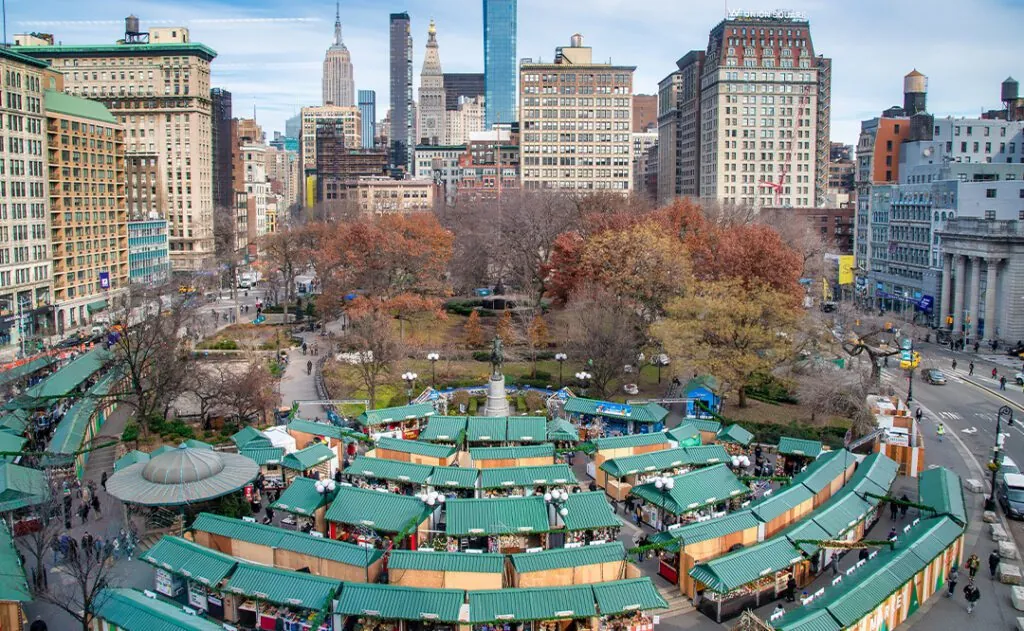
(770, 433)
(482, 356)
(130, 433)
(225, 344)
(770, 389)
(474, 404)
(534, 401)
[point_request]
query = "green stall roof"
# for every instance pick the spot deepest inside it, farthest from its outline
(638, 412)
(301, 497)
(417, 447)
(702, 381)
(11, 443)
(384, 469)
(941, 489)
(192, 560)
(15, 421)
(329, 549)
(634, 594)
(707, 454)
(395, 602)
(631, 440)
(13, 586)
(705, 530)
(562, 430)
(819, 474)
(519, 477)
(250, 532)
(454, 478)
(383, 416)
(879, 469)
(705, 425)
(21, 486)
(131, 609)
(526, 429)
(806, 619)
(263, 455)
(629, 465)
(384, 512)
(799, 447)
(486, 429)
(694, 490)
(430, 561)
(842, 512)
(24, 370)
(589, 510)
(496, 516)
(735, 434)
(247, 434)
(535, 603)
(780, 501)
(805, 530)
(306, 459)
(283, 587)
(512, 453)
(313, 428)
(684, 432)
(63, 381)
(444, 429)
(746, 565)
(560, 558)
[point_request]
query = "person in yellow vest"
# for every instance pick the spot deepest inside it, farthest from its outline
(940, 431)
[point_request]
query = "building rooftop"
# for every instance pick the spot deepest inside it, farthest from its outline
(99, 50)
(61, 103)
(25, 59)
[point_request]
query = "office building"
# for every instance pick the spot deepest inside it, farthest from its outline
(283, 175)
(575, 122)
(440, 164)
(149, 262)
(25, 264)
(645, 112)
(500, 19)
(293, 126)
(339, 86)
(464, 121)
(679, 134)
(345, 129)
(490, 166)
(257, 188)
(158, 86)
(403, 119)
(368, 118)
(88, 216)
(432, 97)
(835, 225)
(384, 195)
(221, 139)
(642, 143)
(459, 84)
(765, 99)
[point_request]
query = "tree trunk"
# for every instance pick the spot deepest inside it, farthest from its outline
(371, 394)
(741, 393)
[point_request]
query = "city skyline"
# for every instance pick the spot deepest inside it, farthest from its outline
(281, 78)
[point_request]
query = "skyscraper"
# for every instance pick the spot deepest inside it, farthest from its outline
(338, 86)
(499, 62)
(220, 129)
(432, 97)
(402, 120)
(368, 117)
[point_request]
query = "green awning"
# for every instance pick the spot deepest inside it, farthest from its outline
(131, 609)
(13, 586)
(393, 470)
(189, 559)
(306, 459)
(536, 603)
(21, 487)
(283, 587)
(694, 490)
(384, 512)
(523, 477)
(444, 429)
(453, 478)
(635, 594)
(99, 305)
(396, 602)
(24, 370)
(560, 558)
(588, 511)
(746, 565)
(941, 489)
(301, 498)
(799, 447)
(496, 516)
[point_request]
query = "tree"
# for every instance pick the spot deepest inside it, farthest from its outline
(373, 339)
(473, 331)
(247, 392)
(832, 392)
(605, 331)
(286, 251)
(504, 328)
(731, 329)
(537, 336)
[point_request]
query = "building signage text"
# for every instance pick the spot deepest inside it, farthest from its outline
(776, 14)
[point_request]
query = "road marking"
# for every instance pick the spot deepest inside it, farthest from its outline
(953, 416)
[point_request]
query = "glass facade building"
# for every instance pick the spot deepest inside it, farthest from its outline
(402, 118)
(148, 259)
(499, 62)
(368, 117)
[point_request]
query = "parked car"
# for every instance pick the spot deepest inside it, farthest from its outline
(1010, 491)
(935, 377)
(1019, 378)
(1006, 465)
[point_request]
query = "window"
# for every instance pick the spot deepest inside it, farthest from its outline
(990, 215)
(990, 193)
(1020, 215)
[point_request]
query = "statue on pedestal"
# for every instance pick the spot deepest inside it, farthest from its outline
(497, 357)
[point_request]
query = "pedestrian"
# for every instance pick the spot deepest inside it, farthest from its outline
(83, 512)
(96, 505)
(993, 563)
(86, 495)
(115, 545)
(893, 510)
(994, 373)
(970, 369)
(954, 364)
(954, 576)
(904, 507)
(73, 550)
(919, 414)
(1002, 383)
(863, 555)
(779, 611)
(791, 589)
(834, 564)
(940, 431)
(972, 593)
(309, 367)
(103, 480)
(973, 563)
(304, 348)
(55, 546)
(87, 546)
(975, 347)
(892, 533)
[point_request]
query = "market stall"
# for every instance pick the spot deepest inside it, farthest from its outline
(568, 608)
(306, 505)
(684, 435)
(783, 507)
(189, 569)
(620, 447)
(400, 608)
(520, 456)
(415, 451)
(796, 453)
(520, 481)
(827, 474)
(269, 460)
(364, 516)
(14, 589)
(699, 494)
(455, 481)
(250, 437)
(391, 475)
(450, 430)
(605, 418)
(735, 435)
(703, 397)
(707, 427)
(405, 421)
(563, 433)
(21, 490)
(306, 432)
(505, 430)
(131, 609)
(316, 461)
(570, 566)
(502, 524)
(264, 598)
(588, 520)
(624, 605)
(450, 570)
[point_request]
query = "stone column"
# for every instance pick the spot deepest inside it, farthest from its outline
(958, 294)
(990, 299)
(974, 309)
(947, 289)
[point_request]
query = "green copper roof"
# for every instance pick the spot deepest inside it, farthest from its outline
(520, 477)
(60, 103)
(417, 447)
(189, 559)
(301, 497)
(396, 602)
(496, 516)
(9, 53)
(383, 416)
(799, 447)
(283, 587)
(560, 558)
(394, 470)
(305, 459)
(384, 512)
(444, 429)
(85, 50)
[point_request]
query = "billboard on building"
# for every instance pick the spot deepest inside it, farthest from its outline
(846, 270)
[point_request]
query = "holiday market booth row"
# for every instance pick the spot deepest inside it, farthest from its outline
(618, 476)
(707, 539)
(14, 589)
(605, 418)
(752, 576)
(406, 421)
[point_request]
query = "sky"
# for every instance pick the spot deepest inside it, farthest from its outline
(270, 52)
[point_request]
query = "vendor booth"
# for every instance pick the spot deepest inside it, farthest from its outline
(570, 566)
(736, 435)
(250, 437)
(416, 452)
(827, 474)
(707, 427)
(390, 475)
(563, 433)
(366, 516)
(505, 430)
(400, 608)
(684, 435)
(783, 507)
(503, 524)
(306, 432)
(15, 589)
(699, 494)
(131, 609)
(569, 608)
(625, 605)
(605, 418)
(588, 519)
(521, 456)
(450, 430)
(316, 461)
(189, 571)
(268, 598)
(455, 481)
(622, 474)
(21, 490)
(449, 570)
(703, 397)
(621, 447)
(306, 504)
(269, 460)
(795, 454)
(526, 480)
(399, 422)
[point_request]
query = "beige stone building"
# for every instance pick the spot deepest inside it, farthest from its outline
(382, 195)
(89, 218)
(432, 96)
(157, 85)
(575, 122)
(465, 120)
(25, 267)
(338, 83)
(346, 118)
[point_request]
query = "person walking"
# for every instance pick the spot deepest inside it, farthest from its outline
(993, 563)
(970, 369)
(791, 589)
(973, 594)
(1002, 382)
(87, 547)
(304, 347)
(892, 533)
(103, 481)
(904, 507)
(954, 364)
(954, 576)
(995, 373)
(309, 367)
(893, 510)
(96, 505)
(973, 563)
(863, 555)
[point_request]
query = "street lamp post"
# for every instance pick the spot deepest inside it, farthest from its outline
(583, 377)
(433, 357)
(990, 503)
(409, 378)
(560, 357)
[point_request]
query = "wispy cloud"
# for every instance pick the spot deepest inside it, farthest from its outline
(270, 51)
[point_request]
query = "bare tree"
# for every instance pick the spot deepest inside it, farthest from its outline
(604, 332)
(248, 392)
(373, 339)
(204, 385)
(287, 251)
(833, 392)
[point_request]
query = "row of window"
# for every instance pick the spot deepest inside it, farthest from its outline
(571, 89)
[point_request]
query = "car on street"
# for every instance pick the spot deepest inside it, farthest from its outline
(1006, 465)
(935, 377)
(1010, 493)
(1019, 378)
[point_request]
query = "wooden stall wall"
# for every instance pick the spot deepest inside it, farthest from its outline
(253, 552)
(10, 616)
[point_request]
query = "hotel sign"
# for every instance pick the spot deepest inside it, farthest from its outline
(775, 14)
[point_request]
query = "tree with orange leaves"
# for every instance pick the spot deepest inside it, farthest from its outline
(474, 332)
(537, 335)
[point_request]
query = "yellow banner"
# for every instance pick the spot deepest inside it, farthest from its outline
(310, 191)
(846, 270)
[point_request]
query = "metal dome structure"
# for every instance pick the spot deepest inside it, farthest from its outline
(182, 476)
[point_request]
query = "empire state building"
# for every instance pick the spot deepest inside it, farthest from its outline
(338, 84)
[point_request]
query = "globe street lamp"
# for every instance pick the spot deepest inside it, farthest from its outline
(583, 377)
(659, 361)
(556, 499)
(409, 378)
(990, 503)
(560, 357)
(433, 357)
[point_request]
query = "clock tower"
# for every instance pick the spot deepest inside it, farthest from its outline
(432, 96)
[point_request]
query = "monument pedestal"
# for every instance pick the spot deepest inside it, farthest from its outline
(497, 398)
